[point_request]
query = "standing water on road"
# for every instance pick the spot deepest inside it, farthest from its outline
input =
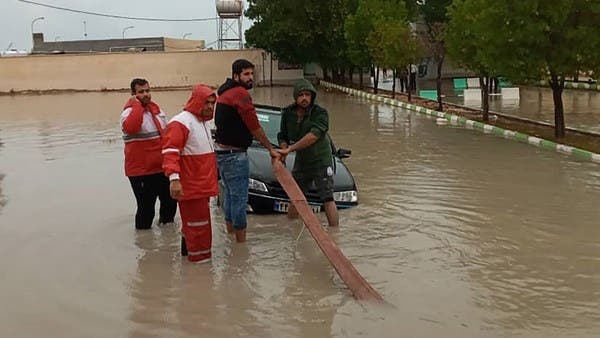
(464, 234)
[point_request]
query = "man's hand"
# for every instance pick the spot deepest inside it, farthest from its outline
(282, 145)
(283, 153)
(275, 154)
(176, 190)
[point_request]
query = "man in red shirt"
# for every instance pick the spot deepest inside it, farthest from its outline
(237, 125)
(143, 123)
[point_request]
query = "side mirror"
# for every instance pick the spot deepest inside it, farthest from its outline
(343, 153)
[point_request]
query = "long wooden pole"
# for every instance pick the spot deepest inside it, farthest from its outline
(358, 285)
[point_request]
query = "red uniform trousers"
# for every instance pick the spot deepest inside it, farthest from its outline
(196, 228)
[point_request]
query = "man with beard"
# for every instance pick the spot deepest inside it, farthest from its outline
(237, 124)
(303, 129)
(143, 124)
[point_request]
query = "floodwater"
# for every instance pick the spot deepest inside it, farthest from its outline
(581, 107)
(463, 234)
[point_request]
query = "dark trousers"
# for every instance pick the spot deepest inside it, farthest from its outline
(146, 189)
(413, 81)
(403, 84)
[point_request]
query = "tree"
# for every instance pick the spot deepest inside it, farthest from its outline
(357, 26)
(361, 24)
(392, 44)
(466, 41)
(433, 14)
(299, 31)
(540, 39)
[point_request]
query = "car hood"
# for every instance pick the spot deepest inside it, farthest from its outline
(261, 169)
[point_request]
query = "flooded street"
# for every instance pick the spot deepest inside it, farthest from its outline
(463, 234)
(581, 107)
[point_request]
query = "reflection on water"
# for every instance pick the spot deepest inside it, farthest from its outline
(3, 200)
(464, 234)
(581, 107)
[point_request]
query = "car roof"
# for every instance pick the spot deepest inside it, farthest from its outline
(262, 108)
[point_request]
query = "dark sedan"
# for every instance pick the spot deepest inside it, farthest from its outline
(266, 194)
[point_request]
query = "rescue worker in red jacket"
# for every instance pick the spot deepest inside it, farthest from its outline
(190, 162)
(143, 124)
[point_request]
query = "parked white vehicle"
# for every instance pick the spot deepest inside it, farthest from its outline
(13, 52)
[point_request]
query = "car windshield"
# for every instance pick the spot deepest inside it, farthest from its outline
(270, 124)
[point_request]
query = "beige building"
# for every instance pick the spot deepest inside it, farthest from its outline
(156, 44)
(114, 71)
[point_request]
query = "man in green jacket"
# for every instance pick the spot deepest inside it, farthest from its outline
(303, 129)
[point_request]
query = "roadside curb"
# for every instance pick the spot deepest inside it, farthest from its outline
(474, 125)
(574, 85)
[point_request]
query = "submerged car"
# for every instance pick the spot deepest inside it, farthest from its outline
(265, 194)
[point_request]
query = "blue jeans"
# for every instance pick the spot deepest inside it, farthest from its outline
(234, 171)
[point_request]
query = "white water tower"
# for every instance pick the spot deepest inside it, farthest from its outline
(230, 13)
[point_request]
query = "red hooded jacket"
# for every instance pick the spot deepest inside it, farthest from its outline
(142, 130)
(188, 151)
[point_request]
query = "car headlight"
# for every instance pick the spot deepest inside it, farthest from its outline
(257, 185)
(345, 196)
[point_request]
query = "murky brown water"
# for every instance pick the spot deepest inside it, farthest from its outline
(581, 107)
(466, 235)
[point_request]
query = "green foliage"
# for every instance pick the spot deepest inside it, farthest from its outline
(535, 39)
(434, 11)
(378, 33)
(299, 31)
(434, 16)
(527, 40)
(468, 33)
(392, 44)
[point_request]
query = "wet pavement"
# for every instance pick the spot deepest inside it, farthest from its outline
(464, 235)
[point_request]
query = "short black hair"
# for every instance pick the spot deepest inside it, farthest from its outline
(137, 82)
(239, 65)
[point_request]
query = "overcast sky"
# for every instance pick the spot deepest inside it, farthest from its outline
(16, 17)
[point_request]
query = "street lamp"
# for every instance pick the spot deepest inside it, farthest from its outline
(32, 22)
(186, 34)
(126, 28)
(84, 30)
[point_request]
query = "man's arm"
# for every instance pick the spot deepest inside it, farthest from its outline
(320, 125)
(306, 141)
(259, 134)
(173, 143)
(132, 117)
(247, 112)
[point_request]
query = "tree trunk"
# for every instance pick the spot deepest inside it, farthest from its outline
(557, 83)
(408, 84)
(484, 83)
(375, 72)
(393, 84)
(325, 76)
(351, 75)
(271, 74)
(360, 77)
(438, 84)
